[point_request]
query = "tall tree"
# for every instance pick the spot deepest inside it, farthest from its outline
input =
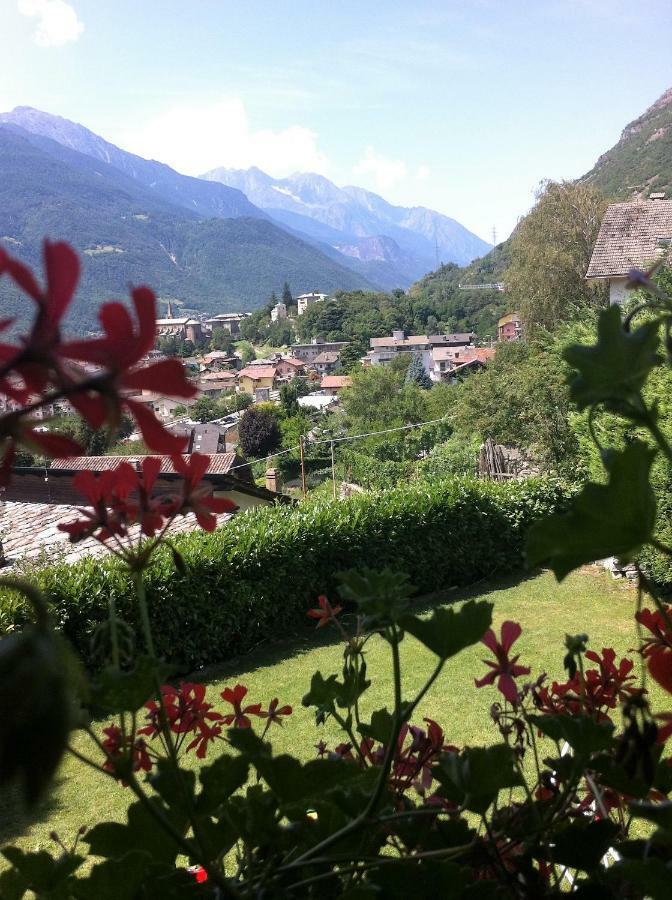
(287, 294)
(416, 374)
(550, 252)
(258, 431)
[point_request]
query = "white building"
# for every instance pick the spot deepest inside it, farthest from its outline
(633, 235)
(303, 301)
(279, 311)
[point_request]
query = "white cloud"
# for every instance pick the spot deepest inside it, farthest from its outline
(386, 173)
(195, 139)
(57, 21)
(422, 173)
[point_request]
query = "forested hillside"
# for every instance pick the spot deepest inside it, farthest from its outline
(641, 162)
(126, 234)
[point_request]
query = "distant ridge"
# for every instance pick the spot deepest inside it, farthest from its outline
(401, 242)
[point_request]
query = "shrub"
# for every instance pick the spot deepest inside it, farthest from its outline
(254, 578)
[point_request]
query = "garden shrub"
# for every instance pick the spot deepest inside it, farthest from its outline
(255, 577)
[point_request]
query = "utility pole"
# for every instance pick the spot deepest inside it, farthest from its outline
(333, 469)
(494, 237)
(303, 468)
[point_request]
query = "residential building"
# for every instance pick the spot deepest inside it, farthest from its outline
(633, 235)
(229, 322)
(446, 361)
(509, 327)
(288, 367)
(385, 349)
(332, 385)
(214, 384)
(252, 378)
(37, 501)
(327, 363)
(279, 311)
(217, 360)
(303, 301)
(307, 352)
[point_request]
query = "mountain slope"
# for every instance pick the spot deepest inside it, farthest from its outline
(641, 162)
(206, 199)
(126, 233)
(357, 215)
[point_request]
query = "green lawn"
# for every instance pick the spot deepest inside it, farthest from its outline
(588, 601)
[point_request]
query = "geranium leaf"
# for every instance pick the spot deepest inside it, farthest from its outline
(380, 727)
(615, 368)
(448, 631)
(581, 844)
(613, 519)
(583, 734)
(475, 777)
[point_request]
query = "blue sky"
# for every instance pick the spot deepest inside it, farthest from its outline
(460, 106)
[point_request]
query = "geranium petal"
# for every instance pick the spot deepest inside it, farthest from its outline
(511, 631)
(157, 438)
(62, 266)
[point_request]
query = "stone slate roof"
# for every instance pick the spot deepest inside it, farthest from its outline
(220, 463)
(30, 531)
(326, 358)
(336, 381)
(630, 236)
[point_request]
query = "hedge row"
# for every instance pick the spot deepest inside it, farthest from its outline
(255, 578)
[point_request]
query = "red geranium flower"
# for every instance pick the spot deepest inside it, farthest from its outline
(196, 497)
(275, 714)
(117, 747)
(240, 716)
(325, 613)
(39, 356)
(122, 347)
(657, 650)
(504, 670)
(185, 708)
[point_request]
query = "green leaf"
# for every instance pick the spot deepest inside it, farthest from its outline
(42, 872)
(382, 596)
(659, 813)
(650, 877)
(380, 728)
(117, 691)
(448, 631)
(581, 845)
(604, 520)
(140, 833)
(116, 879)
(220, 780)
(326, 694)
(616, 367)
(474, 777)
(583, 734)
(13, 885)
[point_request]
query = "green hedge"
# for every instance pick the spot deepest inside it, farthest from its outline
(254, 578)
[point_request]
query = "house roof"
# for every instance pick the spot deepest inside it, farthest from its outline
(185, 320)
(328, 357)
(298, 363)
(219, 464)
(509, 317)
(463, 354)
(459, 337)
(630, 236)
(31, 529)
(257, 372)
(218, 376)
(336, 381)
(413, 340)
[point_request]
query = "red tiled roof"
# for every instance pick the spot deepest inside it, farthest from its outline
(220, 463)
(257, 372)
(336, 381)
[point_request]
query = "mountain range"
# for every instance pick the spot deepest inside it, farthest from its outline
(358, 223)
(198, 241)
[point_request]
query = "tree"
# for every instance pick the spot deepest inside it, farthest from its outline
(205, 409)
(258, 432)
(550, 252)
(416, 374)
(286, 294)
(221, 340)
(246, 351)
(522, 398)
(350, 356)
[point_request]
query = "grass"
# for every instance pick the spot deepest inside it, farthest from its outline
(587, 601)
